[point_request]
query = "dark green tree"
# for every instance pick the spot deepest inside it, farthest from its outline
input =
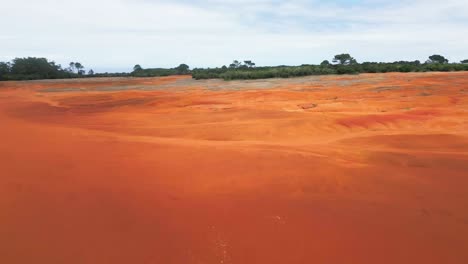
(235, 65)
(344, 59)
(137, 68)
(464, 61)
(437, 59)
(91, 72)
(4, 70)
(72, 67)
(325, 63)
(79, 68)
(35, 68)
(182, 69)
(249, 64)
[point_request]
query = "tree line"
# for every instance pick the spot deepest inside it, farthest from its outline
(32, 68)
(341, 64)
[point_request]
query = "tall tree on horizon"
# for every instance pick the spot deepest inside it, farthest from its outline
(79, 68)
(5, 68)
(182, 69)
(437, 59)
(235, 64)
(71, 66)
(344, 59)
(249, 63)
(137, 68)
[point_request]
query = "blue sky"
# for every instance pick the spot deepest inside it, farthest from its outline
(113, 35)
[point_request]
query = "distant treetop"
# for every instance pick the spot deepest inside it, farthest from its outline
(437, 59)
(183, 69)
(344, 59)
(137, 68)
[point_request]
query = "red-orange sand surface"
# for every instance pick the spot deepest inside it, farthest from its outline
(337, 169)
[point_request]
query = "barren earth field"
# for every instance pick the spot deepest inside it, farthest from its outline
(369, 169)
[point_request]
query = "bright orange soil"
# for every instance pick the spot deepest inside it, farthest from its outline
(376, 172)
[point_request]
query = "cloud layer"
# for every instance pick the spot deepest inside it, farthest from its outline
(110, 35)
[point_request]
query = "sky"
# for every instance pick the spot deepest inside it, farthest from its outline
(114, 35)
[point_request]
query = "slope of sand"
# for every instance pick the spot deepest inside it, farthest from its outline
(337, 169)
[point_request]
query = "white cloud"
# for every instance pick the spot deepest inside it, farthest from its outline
(115, 35)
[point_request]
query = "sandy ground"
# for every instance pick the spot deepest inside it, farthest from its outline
(336, 169)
